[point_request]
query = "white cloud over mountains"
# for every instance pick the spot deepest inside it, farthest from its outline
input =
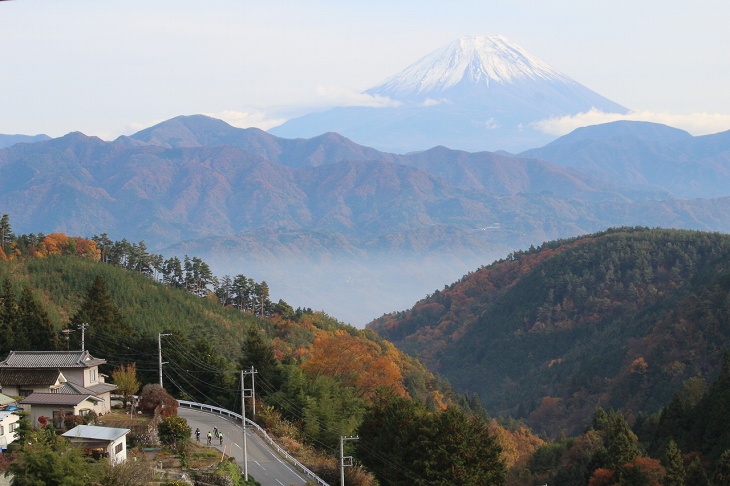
(694, 123)
(337, 96)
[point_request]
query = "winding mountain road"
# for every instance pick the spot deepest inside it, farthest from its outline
(264, 464)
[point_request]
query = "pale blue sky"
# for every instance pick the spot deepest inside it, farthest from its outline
(111, 68)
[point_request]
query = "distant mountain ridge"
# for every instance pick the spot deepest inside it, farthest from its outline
(646, 156)
(476, 93)
(346, 217)
(10, 140)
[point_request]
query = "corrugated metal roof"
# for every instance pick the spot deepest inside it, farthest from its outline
(50, 359)
(25, 376)
(96, 433)
(56, 399)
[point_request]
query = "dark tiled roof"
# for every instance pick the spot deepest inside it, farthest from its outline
(102, 387)
(74, 389)
(19, 377)
(50, 359)
(55, 399)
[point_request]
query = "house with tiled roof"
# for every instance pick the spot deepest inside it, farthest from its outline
(57, 407)
(22, 382)
(29, 373)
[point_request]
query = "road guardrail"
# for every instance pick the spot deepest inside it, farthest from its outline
(222, 411)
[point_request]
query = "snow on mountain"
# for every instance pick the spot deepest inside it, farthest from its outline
(475, 94)
(483, 59)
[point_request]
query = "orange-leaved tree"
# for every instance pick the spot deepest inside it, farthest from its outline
(354, 360)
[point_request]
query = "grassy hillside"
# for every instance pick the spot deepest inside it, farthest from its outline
(619, 319)
(149, 307)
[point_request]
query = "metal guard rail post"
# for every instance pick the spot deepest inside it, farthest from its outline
(222, 411)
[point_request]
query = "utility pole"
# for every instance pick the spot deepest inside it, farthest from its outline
(67, 333)
(83, 326)
(159, 354)
(253, 391)
(344, 461)
(243, 427)
(245, 392)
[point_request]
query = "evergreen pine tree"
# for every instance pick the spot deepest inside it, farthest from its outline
(9, 319)
(36, 324)
(696, 475)
(674, 466)
(621, 443)
(259, 354)
(107, 329)
(722, 470)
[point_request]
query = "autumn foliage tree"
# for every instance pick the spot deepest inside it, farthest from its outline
(153, 396)
(355, 361)
(125, 377)
(62, 244)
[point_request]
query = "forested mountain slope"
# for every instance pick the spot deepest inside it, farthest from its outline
(204, 333)
(317, 379)
(618, 319)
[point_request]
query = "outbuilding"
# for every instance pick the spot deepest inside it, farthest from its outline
(100, 441)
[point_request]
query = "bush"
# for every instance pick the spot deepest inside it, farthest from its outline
(175, 433)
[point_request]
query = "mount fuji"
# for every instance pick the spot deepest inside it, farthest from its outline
(475, 94)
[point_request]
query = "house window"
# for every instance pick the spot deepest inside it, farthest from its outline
(119, 448)
(24, 393)
(13, 426)
(59, 416)
(2, 430)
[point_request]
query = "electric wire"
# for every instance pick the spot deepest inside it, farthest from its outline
(187, 376)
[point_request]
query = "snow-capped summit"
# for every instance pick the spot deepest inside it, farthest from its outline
(476, 93)
(479, 60)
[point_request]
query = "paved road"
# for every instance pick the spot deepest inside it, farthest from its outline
(264, 464)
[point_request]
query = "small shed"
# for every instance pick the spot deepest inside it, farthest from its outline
(100, 441)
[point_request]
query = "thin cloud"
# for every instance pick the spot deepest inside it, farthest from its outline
(245, 119)
(432, 102)
(694, 123)
(337, 96)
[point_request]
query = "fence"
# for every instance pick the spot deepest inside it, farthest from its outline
(222, 411)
